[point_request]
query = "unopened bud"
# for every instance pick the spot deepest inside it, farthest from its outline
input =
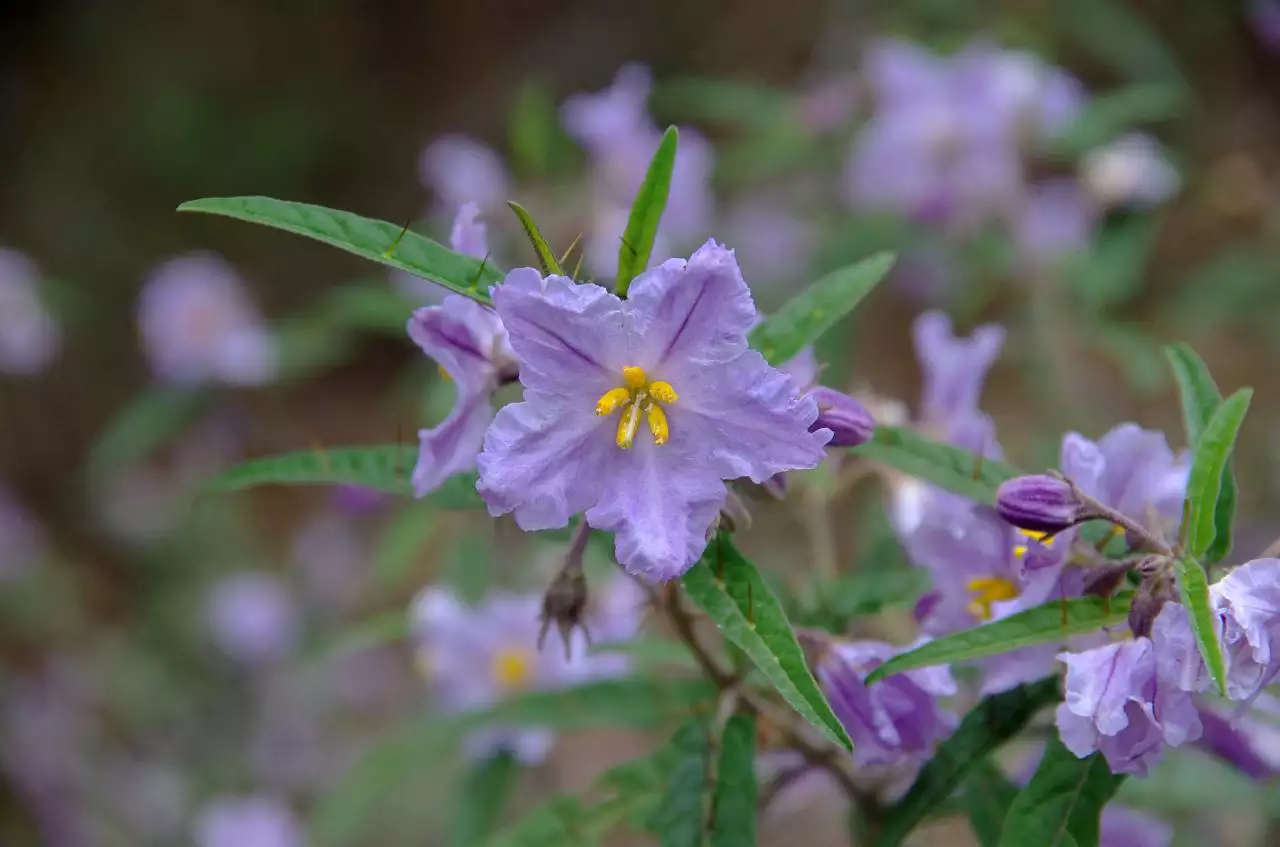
(1155, 590)
(844, 416)
(1040, 503)
(565, 603)
(734, 516)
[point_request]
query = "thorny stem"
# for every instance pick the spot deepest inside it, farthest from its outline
(1146, 537)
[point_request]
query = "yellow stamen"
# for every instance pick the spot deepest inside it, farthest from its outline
(1020, 550)
(612, 401)
(512, 667)
(663, 392)
(989, 590)
(444, 373)
(658, 423)
(627, 425)
(635, 377)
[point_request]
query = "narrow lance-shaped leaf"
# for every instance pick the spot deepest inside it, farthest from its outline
(680, 820)
(815, 310)
(547, 261)
(646, 213)
(383, 467)
(991, 723)
(1062, 805)
(1193, 591)
(1200, 399)
(730, 590)
(955, 469)
(480, 799)
(987, 798)
(1208, 463)
(733, 808)
(1044, 624)
(378, 241)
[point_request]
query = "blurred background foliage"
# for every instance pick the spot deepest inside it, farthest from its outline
(113, 114)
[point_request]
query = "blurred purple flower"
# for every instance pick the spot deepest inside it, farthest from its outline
(1248, 603)
(330, 556)
(954, 369)
(672, 359)
(895, 719)
(772, 243)
(460, 170)
(467, 235)
(1054, 220)
(1133, 471)
(1121, 703)
(198, 325)
(250, 821)
(829, 106)
(1125, 827)
(470, 344)
(29, 337)
(252, 617)
(1232, 745)
(357, 500)
(476, 656)
(22, 543)
(1264, 16)
(1131, 171)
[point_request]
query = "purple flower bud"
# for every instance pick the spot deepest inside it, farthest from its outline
(844, 416)
(1040, 503)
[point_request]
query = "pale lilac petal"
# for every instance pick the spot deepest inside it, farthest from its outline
(1178, 657)
(1131, 171)
(464, 338)
(901, 71)
(1124, 827)
(659, 509)
(468, 235)
(747, 418)
(29, 336)
(1097, 681)
(452, 447)
(1056, 220)
(1077, 732)
(543, 462)
(252, 821)
(698, 309)
(460, 169)
(613, 115)
(570, 339)
(803, 369)
(954, 368)
(1082, 463)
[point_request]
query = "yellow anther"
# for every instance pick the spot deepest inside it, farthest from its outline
(612, 401)
(989, 590)
(657, 423)
(1044, 538)
(627, 425)
(444, 373)
(635, 377)
(512, 667)
(662, 391)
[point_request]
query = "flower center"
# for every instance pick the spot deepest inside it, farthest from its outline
(988, 590)
(1020, 550)
(638, 397)
(512, 668)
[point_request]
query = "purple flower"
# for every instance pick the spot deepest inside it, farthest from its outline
(1055, 220)
(954, 368)
(848, 420)
(1264, 16)
(463, 170)
(252, 618)
(895, 719)
(198, 325)
(1118, 702)
(1133, 471)
(636, 411)
(1131, 171)
(1248, 602)
(1040, 503)
(29, 337)
(357, 500)
(468, 235)
(604, 121)
(1236, 747)
(21, 539)
(471, 347)
(251, 821)
(476, 656)
(772, 243)
(1125, 827)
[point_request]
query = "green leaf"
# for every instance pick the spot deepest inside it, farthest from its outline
(142, 426)
(1200, 399)
(1111, 273)
(401, 541)
(1211, 453)
(546, 256)
(1115, 34)
(953, 468)
(1062, 805)
(375, 308)
(382, 467)
(1193, 591)
(987, 798)
(733, 809)
(681, 817)
(378, 241)
(378, 630)
(816, 309)
(721, 101)
(1109, 115)
(1053, 621)
(480, 799)
(730, 590)
(995, 720)
(646, 213)
(538, 144)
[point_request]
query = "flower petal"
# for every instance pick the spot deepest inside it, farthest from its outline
(463, 337)
(660, 501)
(699, 309)
(542, 463)
(469, 236)
(954, 368)
(452, 446)
(570, 339)
(746, 419)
